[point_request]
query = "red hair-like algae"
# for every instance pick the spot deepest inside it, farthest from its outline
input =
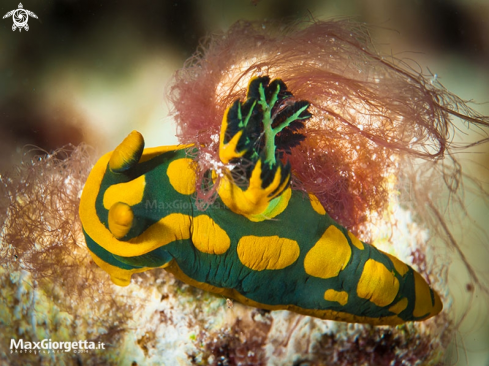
(368, 111)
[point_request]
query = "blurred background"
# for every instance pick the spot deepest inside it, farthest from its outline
(91, 71)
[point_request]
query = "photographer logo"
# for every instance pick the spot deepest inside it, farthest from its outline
(20, 17)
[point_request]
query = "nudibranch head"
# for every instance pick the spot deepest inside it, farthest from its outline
(119, 207)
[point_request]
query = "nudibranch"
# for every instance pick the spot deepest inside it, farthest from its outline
(260, 242)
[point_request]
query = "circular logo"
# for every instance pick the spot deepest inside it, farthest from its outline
(20, 18)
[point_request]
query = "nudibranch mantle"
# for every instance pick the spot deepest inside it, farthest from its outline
(262, 244)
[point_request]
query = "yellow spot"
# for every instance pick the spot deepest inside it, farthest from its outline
(267, 252)
(120, 219)
(208, 237)
(339, 296)
(316, 204)
(423, 305)
(128, 152)
(355, 241)
(131, 192)
(329, 255)
(400, 267)
(181, 173)
(400, 306)
(377, 284)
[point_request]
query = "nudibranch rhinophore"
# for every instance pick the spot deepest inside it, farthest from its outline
(259, 242)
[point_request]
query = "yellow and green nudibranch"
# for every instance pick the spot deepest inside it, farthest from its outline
(260, 242)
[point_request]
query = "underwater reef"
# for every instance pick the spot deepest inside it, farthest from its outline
(379, 154)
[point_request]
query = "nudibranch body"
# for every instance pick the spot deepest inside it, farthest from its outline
(260, 242)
